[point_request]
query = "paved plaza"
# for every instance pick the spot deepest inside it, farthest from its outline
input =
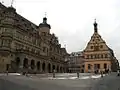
(19, 82)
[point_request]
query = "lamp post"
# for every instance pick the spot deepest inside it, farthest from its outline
(21, 69)
(54, 73)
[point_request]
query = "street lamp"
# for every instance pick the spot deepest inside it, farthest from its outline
(21, 69)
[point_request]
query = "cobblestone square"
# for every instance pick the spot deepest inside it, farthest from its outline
(108, 82)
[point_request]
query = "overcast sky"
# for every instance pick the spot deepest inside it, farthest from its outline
(72, 20)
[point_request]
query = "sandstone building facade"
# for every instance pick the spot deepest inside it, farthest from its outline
(98, 56)
(28, 47)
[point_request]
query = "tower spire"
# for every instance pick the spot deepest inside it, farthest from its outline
(45, 19)
(12, 2)
(95, 26)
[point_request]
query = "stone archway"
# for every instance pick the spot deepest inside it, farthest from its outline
(25, 63)
(57, 68)
(32, 64)
(38, 65)
(53, 67)
(17, 61)
(43, 66)
(49, 67)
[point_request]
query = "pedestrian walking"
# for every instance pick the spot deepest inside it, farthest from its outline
(101, 73)
(53, 73)
(7, 73)
(118, 72)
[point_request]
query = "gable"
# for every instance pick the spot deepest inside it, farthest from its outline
(96, 43)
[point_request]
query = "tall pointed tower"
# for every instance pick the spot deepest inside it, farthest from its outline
(97, 54)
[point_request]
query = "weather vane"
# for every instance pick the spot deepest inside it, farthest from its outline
(45, 14)
(12, 2)
(95, 19)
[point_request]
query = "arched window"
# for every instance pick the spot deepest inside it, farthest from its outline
(57, 68)
(32, 64)
(38, 65)
(49, 67)
(25, 63)
(105, 65)
(43, 66)
(53, 67)
(17, 61)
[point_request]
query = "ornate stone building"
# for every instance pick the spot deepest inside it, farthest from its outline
(98, 56)
(28, 47)
(75, 60)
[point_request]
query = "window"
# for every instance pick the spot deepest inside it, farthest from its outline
(83, 66)
(95, 56)
(87, 56)
(98, 66)
(27, 48)
(95, 66)
(105, 65)
(96, 48)
(5, 43)
(33, 50)
(91, 56)
(44, 49)
(50, 48)
(91, 47)
(106, 55)
(101, 46)
(101, 56)
(89, 66)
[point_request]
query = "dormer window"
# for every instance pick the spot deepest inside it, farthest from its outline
(101, 46)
